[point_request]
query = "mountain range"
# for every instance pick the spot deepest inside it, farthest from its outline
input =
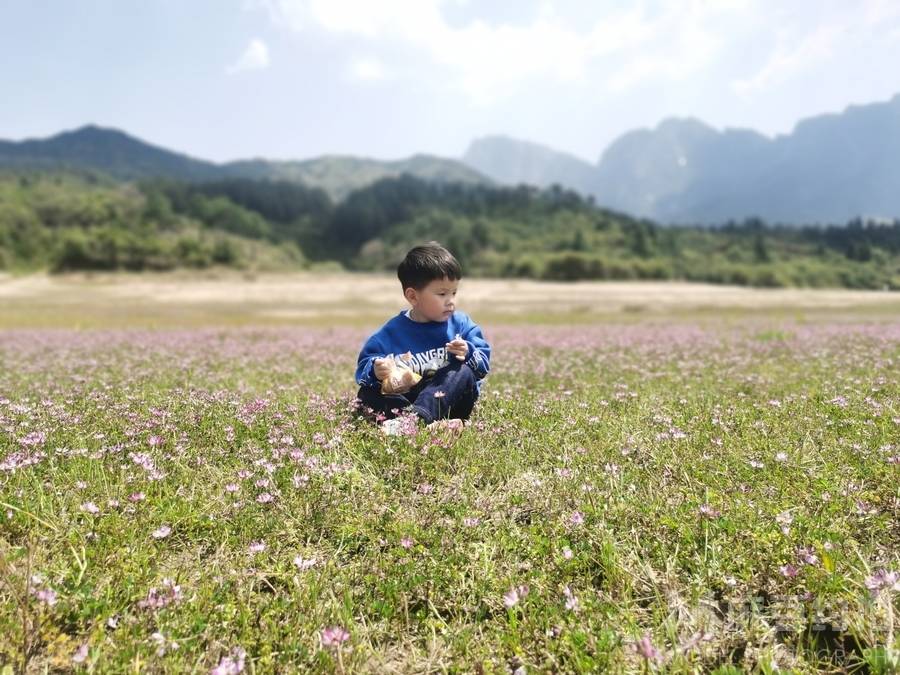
(830, 169)
(125, 157)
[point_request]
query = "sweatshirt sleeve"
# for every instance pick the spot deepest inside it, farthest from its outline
(365, 363)
(479, 358)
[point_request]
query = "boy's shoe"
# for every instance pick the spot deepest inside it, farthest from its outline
(393, 427)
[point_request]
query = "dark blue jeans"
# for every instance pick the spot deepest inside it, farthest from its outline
(454, 386)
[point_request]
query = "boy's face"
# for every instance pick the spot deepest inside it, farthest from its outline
(434, 302)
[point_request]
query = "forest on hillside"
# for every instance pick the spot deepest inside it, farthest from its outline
(66, 221)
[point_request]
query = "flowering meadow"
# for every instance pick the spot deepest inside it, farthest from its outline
(688, 496)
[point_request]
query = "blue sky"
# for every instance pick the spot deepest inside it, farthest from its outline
(292, 79)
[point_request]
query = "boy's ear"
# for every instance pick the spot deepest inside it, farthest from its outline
(410, 294)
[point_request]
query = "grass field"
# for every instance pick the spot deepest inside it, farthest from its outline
(657, 478)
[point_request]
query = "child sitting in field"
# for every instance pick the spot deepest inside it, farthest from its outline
(429, 359)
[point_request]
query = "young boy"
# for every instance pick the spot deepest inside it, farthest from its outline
(442, 345)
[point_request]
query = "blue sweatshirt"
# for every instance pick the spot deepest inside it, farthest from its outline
(427, 342)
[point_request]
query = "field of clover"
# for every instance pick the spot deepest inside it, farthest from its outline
(634, 497)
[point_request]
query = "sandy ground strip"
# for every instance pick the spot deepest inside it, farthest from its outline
(329, 291)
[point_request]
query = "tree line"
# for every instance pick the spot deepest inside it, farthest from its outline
(65, 221)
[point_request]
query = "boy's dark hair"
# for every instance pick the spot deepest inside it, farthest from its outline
(424, 264)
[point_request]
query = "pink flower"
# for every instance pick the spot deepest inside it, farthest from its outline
(136, 497)
(406, 542)
(304, 564)
(512, 597)
(257, 546)
(709, 512)
(567, 553)
(158, 598)
(788, 571)
(46, 595)
(333, 636)
(232, 487)
(265, 498)
(571, 600)
(471, 522)
(162, 532)
(577, 518)
(644, 647)
(784, 520)
(81, 654)
(90, 507)
(232, 664)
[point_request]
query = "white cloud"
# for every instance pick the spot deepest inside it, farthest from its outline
(790, 58)
(805, 43)
(368, 70)
(255, 57)
(487, 61)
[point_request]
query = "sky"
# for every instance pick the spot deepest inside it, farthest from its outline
(294, 79)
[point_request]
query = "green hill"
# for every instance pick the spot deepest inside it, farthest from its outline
(110, 151)
(340, 175)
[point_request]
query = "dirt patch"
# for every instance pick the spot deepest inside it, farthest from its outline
(302, 297)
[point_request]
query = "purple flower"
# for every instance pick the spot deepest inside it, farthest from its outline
(34, 438)
(257, 546)
(333, 636)
(883, 579)
(406, 542)
(567, 553)
(577, 518)
(265, 498)
(571, 599)
(90, 507)
(46, 595)
(808, 556)
(471, 522)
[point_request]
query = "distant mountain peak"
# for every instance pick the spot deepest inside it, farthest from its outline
(513, 161)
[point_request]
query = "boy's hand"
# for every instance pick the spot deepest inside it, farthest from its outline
(459, 348)
(383, 368)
